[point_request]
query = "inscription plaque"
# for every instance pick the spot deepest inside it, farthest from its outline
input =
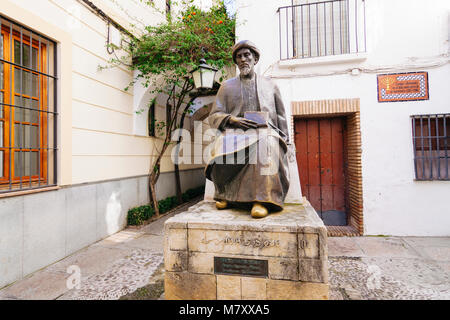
(237, 266)
(403, 87)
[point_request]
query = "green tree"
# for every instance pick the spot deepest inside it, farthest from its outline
(166, 53)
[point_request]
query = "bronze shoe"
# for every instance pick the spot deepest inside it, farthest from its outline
(221, 204)
(259, 211)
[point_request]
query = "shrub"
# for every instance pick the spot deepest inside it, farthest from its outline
(138, 215)
(192, 193)
(167, 204)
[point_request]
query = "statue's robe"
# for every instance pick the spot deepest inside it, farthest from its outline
(243, 182)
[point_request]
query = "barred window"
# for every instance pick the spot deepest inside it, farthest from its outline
(431, 139)
(321, 27)
(27, 109)
(318, 28)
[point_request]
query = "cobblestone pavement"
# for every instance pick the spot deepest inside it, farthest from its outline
(374, 279)
(129, 265)
(389, 268)
(109, 269)
(123, 277)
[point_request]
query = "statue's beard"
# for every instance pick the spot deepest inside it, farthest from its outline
(245, 70)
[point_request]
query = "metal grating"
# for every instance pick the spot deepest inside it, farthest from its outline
(431, 140)
(28, 115)
(322, 28)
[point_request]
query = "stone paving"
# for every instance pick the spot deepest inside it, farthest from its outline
(109, 269)
(399, 268)
(360, 268)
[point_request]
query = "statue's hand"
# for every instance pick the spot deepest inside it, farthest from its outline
(241, 123)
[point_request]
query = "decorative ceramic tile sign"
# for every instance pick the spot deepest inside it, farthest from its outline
(403, 87)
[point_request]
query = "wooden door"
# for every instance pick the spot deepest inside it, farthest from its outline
(320, 159)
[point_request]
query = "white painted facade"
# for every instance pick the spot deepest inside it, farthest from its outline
(401, 36)
(104, 151)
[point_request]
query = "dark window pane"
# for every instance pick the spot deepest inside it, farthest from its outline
(22, 81)
(16, 52)
(18, 112)
(29, 81)
(18, 136)
(17, 74)
(1, 106)
(35, 58)
(2, 174)
(151, 120)
(27, 136)
(1, 133)
(35, 114)
(34, 163)
(30, 163)
(35, 137)
(35, 85)
(1, 76)
(31, 136)
(27, 112)
(26, 55)
(18, 164)
(26, 163)
(26, 83)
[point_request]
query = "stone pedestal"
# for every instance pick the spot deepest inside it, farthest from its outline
(211, 254)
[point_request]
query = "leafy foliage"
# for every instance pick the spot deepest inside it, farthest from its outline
(165, 55)
(172, 49)
(137, 216)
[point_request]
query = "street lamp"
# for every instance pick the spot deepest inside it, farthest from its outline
(204, 75)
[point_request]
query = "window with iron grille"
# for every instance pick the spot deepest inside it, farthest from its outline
(27, 109)
(316, 28)
(431, 139)
(311, 34)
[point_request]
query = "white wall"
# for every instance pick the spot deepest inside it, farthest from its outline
(177, 6)
(402, 36)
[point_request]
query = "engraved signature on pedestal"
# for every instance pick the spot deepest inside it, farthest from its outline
(253, 242)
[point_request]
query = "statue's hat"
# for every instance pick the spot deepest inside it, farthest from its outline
(245, 44)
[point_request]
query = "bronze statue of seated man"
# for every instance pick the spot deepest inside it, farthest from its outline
(244, 182)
